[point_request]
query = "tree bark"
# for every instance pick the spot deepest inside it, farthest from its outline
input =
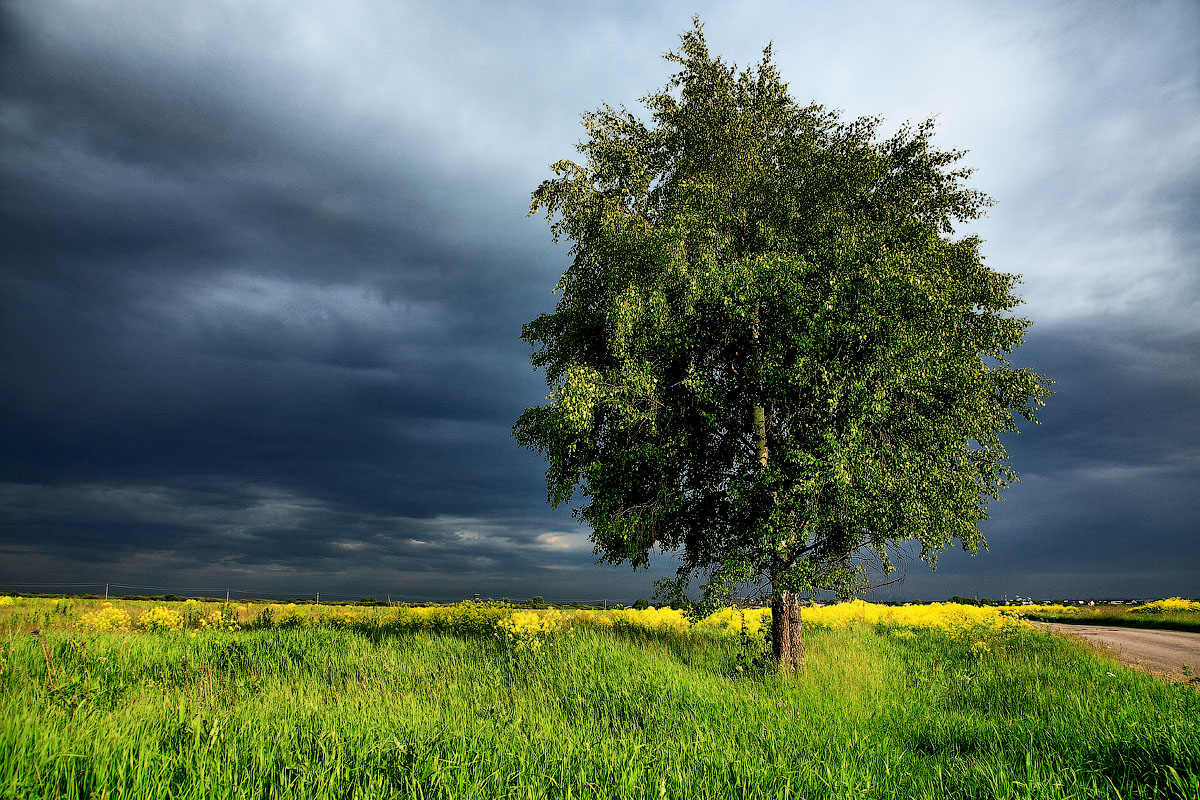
(787, 641)
(760, 433)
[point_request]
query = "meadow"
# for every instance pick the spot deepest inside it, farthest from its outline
(1170, 614)
(480, 700)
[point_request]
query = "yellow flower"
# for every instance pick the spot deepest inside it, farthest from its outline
(949, 617)
(734, 620)
(1170, 605)
(528, 630)
(651, 619)
(105, 618)
(161, 618)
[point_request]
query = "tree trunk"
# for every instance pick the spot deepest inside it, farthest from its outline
(760, 433)
(787, 641)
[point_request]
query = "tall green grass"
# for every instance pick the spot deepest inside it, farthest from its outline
(1122, 616)
(318, 712)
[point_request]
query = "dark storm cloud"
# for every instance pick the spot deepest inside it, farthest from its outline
(266, 541)
(263, 269)
(210, 262)
(1107, 501)
(206, 283)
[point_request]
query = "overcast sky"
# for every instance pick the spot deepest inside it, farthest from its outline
(263, 268)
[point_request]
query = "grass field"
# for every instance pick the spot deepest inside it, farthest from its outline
(371, 706)
(1174, 614)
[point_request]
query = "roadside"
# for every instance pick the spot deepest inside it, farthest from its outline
(1188, 624)
(1174, 654)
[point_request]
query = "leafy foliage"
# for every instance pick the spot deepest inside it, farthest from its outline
(769, 353)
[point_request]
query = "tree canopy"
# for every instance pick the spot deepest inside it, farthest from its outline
(771, 354)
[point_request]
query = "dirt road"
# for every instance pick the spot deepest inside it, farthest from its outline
(1164, 652)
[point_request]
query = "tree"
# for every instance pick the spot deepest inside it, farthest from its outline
(770, 355)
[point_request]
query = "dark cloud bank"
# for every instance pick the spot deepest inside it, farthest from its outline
(262, 276)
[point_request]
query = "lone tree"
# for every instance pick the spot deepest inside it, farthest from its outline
(770, 354)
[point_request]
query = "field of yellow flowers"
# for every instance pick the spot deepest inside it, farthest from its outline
(481, 700)
(526, 629)
(1173, 613)
(469, 617)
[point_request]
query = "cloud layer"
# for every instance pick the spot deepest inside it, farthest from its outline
(263, 270)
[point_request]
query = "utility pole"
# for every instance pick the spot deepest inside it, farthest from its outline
(106, 591)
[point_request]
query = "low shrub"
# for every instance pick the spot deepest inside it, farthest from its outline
(106, 618)
(529, 631)
(161, 618)
(1171, 605)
